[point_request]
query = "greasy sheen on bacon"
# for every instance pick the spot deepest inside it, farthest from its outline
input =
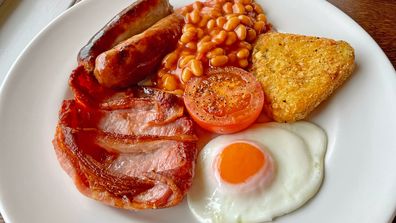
(132, 149)
(89, 92)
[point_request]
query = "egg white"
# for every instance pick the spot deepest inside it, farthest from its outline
(297, 151)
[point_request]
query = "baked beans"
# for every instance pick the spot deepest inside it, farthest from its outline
(249, 8)
(170, 82)
(243, 53)
(196, 67)
(241, 32)
(219, 60)
(216, 33)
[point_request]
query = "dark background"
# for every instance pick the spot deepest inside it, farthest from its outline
(377, 17)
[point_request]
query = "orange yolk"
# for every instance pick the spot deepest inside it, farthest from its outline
(239, 161)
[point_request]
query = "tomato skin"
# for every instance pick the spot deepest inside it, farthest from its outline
(226, 100)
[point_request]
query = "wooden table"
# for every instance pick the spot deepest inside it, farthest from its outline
(377, 17)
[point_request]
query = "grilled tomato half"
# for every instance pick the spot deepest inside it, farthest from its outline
(225, 100)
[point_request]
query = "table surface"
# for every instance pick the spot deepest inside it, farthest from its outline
(377, 17)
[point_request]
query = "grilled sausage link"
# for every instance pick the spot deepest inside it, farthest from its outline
(134, 59)
(131, 21)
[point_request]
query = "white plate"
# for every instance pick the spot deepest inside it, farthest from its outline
(360, 120)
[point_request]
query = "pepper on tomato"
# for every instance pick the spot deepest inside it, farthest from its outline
(225, 100)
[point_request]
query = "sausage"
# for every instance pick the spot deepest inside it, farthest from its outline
(131, 21)
(132, 60)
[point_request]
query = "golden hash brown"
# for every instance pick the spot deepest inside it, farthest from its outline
(298, 72)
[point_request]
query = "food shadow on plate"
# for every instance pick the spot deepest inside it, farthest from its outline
(330, 124)
(323, 107)
(165, 215)
(6, 8)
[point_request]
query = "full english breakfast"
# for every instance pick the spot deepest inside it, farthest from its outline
(167, 104)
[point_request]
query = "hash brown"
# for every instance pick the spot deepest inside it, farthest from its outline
(298, 72)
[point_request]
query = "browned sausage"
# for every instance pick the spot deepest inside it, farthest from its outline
(131, 21)
(135, 58)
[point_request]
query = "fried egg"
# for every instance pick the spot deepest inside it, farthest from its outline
(258, 174)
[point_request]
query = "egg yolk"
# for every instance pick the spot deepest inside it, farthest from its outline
(239, 161)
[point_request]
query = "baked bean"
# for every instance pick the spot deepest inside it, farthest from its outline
(206, 38)
(196, 67)
(261, 17)
(218, 5)
(186, 74)
(191, 30)
(245, 2)
(227, 7)
(220, 21)
(206, 11)
(191, 46)
(231, 38)
(187, 37)
(246, 45)
(186, 9)
(170, 82)
(238, 8)
(231, 24)
(240, 31)
(197, 5)
(214, 32)
(215, 52)
(218, 51)
(229, 16)
(220, 37)
(194, 16)
(214, 13)
(243, 63)
(200, 33)
(218, 61)
(242, 53)
(257, 8)
(161, 73)
(211, 24)
(251, 35)
(164, 76)
(186, 27)
(259, 26)
(248, 8)
(245, 20)
(184, 60)
(203, 21)
(205, 47)
(232, 58)
(170, 60)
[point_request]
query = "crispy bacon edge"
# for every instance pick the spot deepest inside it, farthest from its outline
(120, 191)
